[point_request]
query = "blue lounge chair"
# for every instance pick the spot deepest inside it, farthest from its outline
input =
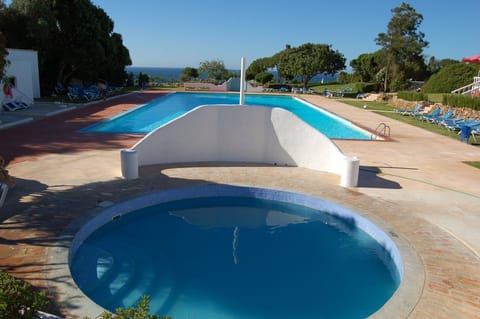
(415, 110)
(471, 123)
(473, 129)
(450, 123)
(445, 116)
(11, 106)
(432, 115)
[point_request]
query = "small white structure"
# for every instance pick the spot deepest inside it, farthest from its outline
(248, 134)
(23, 67)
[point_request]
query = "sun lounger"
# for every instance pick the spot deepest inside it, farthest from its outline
(471, 123)
(415, 110)
(475, 131)
(11, 106)
(451, 123)
(446, 116)
(433, 115)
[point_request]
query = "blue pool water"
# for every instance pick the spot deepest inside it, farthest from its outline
(166, 108)
(235, 257)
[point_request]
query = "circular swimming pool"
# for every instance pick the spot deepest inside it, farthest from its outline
(236, 252)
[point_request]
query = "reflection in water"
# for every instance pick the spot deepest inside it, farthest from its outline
(293, 262)
(236, 235)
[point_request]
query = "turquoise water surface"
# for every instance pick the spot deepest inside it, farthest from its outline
(236, 257)
(166, 108)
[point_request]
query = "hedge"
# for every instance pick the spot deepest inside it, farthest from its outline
(412, 96)
(459, 100)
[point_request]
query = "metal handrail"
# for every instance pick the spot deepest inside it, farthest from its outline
(382, 129)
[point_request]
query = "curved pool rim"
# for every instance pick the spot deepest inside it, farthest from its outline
(401, 298)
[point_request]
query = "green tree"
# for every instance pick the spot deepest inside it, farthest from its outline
(278, 61)
(345, 78)
(188, 73)
(264, 77)
(366, 66)
(3, 56)
(74, 39)
(143, 79)
(259, 66)
(308, 60)
(3, 52)
(403, 46)
(214, 70)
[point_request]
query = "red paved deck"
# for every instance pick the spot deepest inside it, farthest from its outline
(59, 134)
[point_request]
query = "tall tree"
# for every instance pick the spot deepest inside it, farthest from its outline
(214, 70)
(366, 66)
(3, 51)
(308, 60)
(74, 38)
(188, 73)
(259, 66)
(403, 45)
(3, 55)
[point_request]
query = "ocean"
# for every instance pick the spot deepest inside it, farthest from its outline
(162, 74)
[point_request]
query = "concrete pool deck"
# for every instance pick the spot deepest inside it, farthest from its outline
(415, 186)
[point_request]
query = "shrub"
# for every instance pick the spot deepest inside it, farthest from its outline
(18, 299)
(412, 96)
(450, 77)
(367, 87)
(459, 100)
(139, 311)
(264, 77)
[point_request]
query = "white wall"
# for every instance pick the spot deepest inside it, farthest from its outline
(24, 67)
(248, 134)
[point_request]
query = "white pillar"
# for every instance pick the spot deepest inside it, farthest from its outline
(129, 162)
(349, 177)
(242, 81)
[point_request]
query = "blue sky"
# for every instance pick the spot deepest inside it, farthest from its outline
(185, 33)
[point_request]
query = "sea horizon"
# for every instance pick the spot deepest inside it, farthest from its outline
(170, 74)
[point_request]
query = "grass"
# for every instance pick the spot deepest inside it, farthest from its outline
(474, 164)
(388, 111)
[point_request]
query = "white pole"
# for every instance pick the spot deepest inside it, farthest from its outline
(242, 81)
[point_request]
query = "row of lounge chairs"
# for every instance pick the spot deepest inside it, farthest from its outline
(14, 105)
(89, 93)
(446, 120)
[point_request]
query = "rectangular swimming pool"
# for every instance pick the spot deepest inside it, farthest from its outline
(160, 111)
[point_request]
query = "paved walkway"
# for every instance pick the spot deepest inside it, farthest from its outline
(424, 196)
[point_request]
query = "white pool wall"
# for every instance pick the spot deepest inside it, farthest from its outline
(215, 133)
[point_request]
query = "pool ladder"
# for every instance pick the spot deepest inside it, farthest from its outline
(382, 129)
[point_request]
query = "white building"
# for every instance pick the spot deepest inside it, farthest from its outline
(23, 67)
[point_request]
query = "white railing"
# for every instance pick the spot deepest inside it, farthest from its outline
(472, 88)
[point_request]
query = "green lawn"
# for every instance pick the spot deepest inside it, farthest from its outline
(388, 111)
(474, 164)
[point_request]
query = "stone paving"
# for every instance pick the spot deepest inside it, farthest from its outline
(415, 187)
